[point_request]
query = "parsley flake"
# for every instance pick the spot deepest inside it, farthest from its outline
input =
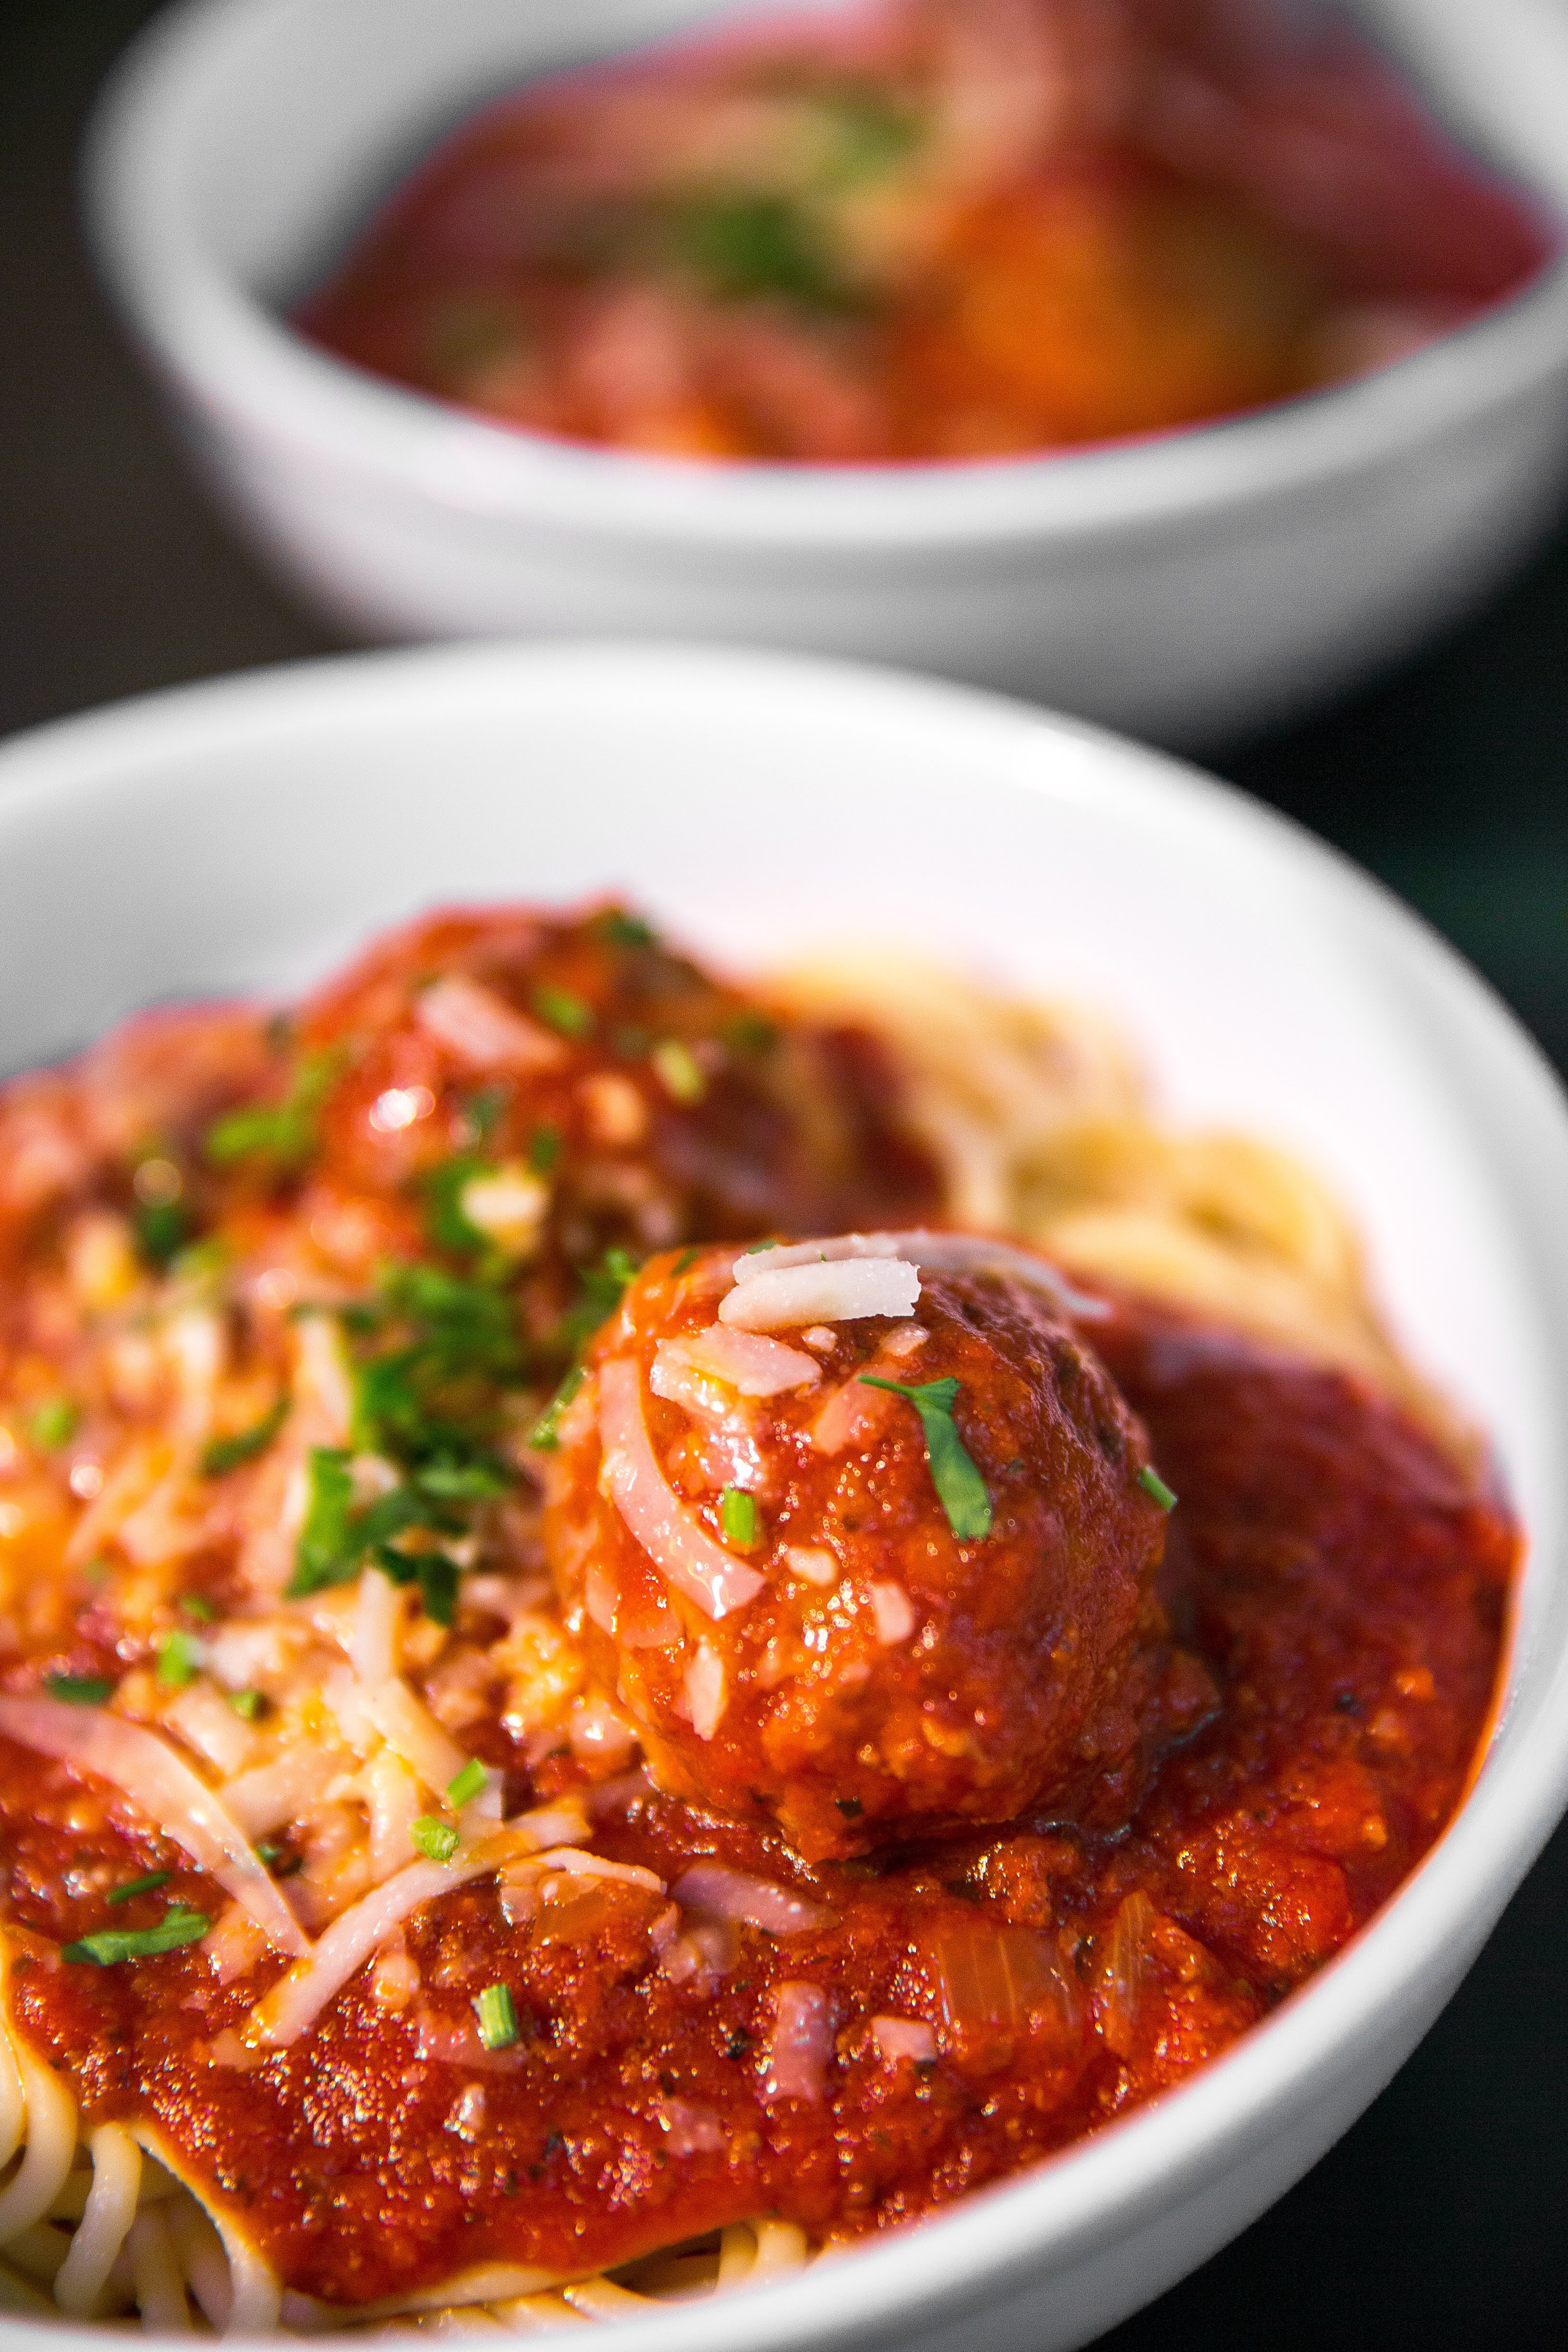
(961, 1489)
(563, 1010)
(739, 1517)
(283, 1134)
(179, 1656)
(497, 2013)
(437, 1841)
(146, 1885)
(1154, 1486)
(54, 1423)
(79, 1690)
(225, 1453)
(111, 1945)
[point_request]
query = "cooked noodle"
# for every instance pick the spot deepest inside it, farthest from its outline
(1042, 1130)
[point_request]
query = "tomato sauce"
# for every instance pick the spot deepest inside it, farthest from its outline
(931, 229)
(1345, 1584)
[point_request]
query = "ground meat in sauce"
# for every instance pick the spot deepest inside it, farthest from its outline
(887, 1680)
(1345, 1584)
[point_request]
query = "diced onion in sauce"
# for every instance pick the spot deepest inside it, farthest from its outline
(724, 1893)
(799, 2046)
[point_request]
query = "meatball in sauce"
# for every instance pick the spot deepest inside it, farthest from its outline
(866, 1545)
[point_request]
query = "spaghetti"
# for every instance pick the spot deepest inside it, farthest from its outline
(412, 1906)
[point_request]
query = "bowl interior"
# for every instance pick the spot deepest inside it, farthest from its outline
(244, 836)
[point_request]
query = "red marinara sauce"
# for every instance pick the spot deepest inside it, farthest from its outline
(1344, 1582)
(931, 229)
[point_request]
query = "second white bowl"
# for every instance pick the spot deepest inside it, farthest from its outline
(1179, 586)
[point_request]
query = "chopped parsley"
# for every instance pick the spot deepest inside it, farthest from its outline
(79, 1690)
(223, 1455)
(179, 1656)
(744, 245)
(281, 1859)
(445, 1220)
(750, 1034)
(133, 1887)
(248, 1705)
(686, 1261)
(484, 1111)
(1154, 1486)
(678, 1071)
(437, 1841)
(197, 1605)
(563, 1010)
(162, 1229)
(54, 1423)
(497, 2013)
(961, 1489)
(467, 1784)
(739, 1517)
(111, 1945)
(284, 1135)
(601, 1290)
(438, 1353)
(544, 1149)
(619, 930)
(544, 1437)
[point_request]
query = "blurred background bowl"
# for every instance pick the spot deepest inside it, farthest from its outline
(1185, 586)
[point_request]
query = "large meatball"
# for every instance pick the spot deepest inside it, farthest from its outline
(864, 1612)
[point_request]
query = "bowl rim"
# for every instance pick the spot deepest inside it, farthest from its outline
(246, 366)
(1075, 2205)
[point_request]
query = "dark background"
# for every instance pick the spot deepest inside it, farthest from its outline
(1442, 2220)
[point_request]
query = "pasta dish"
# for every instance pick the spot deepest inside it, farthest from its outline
(650, 1625)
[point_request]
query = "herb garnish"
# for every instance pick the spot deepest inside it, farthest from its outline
(225, 1453)
(544, 1149)
(744, 245)
(961, 1489)
(739, 1518)
(563, 1010)
(1154, 1486)
(497, 2014)
(428, 1402)
(283, 1134)
(437, 1841)
(135, 1886)
(619, 930)
(111, 1945)
(179, 1657)
(678, 1071)
(600, 1290)
(79, 1690)
(54, 1423)
(248, 1705)
(467, 1784)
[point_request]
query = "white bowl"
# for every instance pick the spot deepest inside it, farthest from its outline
(246, 833)
(1181, 586)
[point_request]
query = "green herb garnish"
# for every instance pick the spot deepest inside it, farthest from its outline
(544, 1437)
(563, 1010)
(961, 1489)
(179, 1659)
(162, 1229)
(281, 1859)
(484, 1111)
(79, 1690)
(445, 1222)
(544, 1149)
(467, 1784)
(197, 1605)
(1154, 1486)
(283, 1134)
(248, 1705)
(678, 1071)
(751, 1032)
(326, 1552)
(498, 2017)
(135, 1886)
(619, 930)
(225, 1453)
(437, 1841)
(54, 1423)
(737, 1518)
(744, 246)
(111, 1945)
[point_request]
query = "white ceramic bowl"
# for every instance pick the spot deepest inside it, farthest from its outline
(246, 833)
(1183, 587)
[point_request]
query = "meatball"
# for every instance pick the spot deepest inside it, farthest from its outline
(866, 1549)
